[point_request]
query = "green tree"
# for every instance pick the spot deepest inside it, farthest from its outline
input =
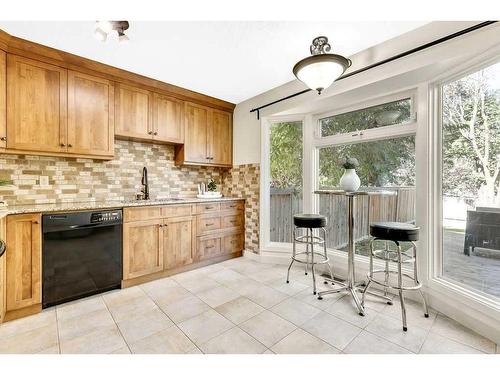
(471, 136)
(286, 155)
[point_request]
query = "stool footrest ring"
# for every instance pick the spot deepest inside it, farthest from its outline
(322, 259)
(381, 283)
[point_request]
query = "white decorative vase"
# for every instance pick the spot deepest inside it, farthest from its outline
(350, 181)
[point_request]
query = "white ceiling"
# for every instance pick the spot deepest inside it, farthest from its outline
(233, 61)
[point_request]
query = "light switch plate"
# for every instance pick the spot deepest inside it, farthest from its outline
(44, 180)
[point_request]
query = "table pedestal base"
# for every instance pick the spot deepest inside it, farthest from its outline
(352, 289)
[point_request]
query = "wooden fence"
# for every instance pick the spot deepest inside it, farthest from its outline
(382, 204)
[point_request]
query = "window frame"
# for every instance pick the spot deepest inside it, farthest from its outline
(437, 279)
(265, 178)
(384, 132)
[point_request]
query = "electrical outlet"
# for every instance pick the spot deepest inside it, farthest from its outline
(44, 180)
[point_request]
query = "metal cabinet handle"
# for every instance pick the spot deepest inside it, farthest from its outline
(150, 132)
(155, 133)
(209, 247)
(3, 139)
(233, 221)
(208, 207)
(209, 224)
(35, 221)
(63, 145)
(70, 145)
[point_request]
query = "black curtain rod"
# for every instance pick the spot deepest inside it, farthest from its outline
(403, 54)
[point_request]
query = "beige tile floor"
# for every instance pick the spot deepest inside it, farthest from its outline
(238, 306)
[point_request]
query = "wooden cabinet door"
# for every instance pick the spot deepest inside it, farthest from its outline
(142, 248)
(178, 241)
(220, 142)
(90, 115)
(209, 247)
(36, 105)
(3, 100)
(133, 107)
(168, 121)
(233, 243)
(197, 118)
(23, 261)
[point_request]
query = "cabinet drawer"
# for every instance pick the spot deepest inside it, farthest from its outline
(175, 211)
(237, 205)
(232, 221)
(141, 213)
(207, 207)
(209, 247)
(208, 224)
(233, 243)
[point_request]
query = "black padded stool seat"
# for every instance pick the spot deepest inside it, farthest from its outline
(394, 231)
(309, 221)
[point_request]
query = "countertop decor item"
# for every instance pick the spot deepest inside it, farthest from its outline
(321, 69)
(212, 186)
(208, 191)
(350, 181)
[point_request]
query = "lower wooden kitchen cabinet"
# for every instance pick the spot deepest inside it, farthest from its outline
(163, 240)
(178, 239)
(142, 248)
(23, 265)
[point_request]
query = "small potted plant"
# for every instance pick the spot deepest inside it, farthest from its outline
(212, 185)
(350, 181)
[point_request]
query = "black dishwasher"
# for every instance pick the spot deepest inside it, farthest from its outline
(82, 255)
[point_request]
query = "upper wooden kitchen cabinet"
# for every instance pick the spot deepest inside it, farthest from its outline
(208, 137)
(133, 111)
(179, 238)
(23, 264)
(90, 115)
(36, 106)
(168, 119)
(220, 138)
(142, 248)
(195, 137)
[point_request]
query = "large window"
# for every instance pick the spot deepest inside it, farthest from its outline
(285, 150)
(381, 137)
(471, 181)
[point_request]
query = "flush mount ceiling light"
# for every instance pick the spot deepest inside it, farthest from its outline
(104, 28)
(321, 69)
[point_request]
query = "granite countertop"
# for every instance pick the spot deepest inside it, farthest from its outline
(77, 206)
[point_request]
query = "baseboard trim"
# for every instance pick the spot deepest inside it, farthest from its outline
(189, 267)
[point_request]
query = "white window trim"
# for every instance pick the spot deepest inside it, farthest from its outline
(264, 236)
(475, 299)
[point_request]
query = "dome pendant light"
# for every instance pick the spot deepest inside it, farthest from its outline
(321, 69)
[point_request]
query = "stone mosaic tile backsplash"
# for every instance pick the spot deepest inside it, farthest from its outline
(243, 181)
(82, 180)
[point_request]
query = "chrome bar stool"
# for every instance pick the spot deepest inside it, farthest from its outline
(309, 222)
(397, 233)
